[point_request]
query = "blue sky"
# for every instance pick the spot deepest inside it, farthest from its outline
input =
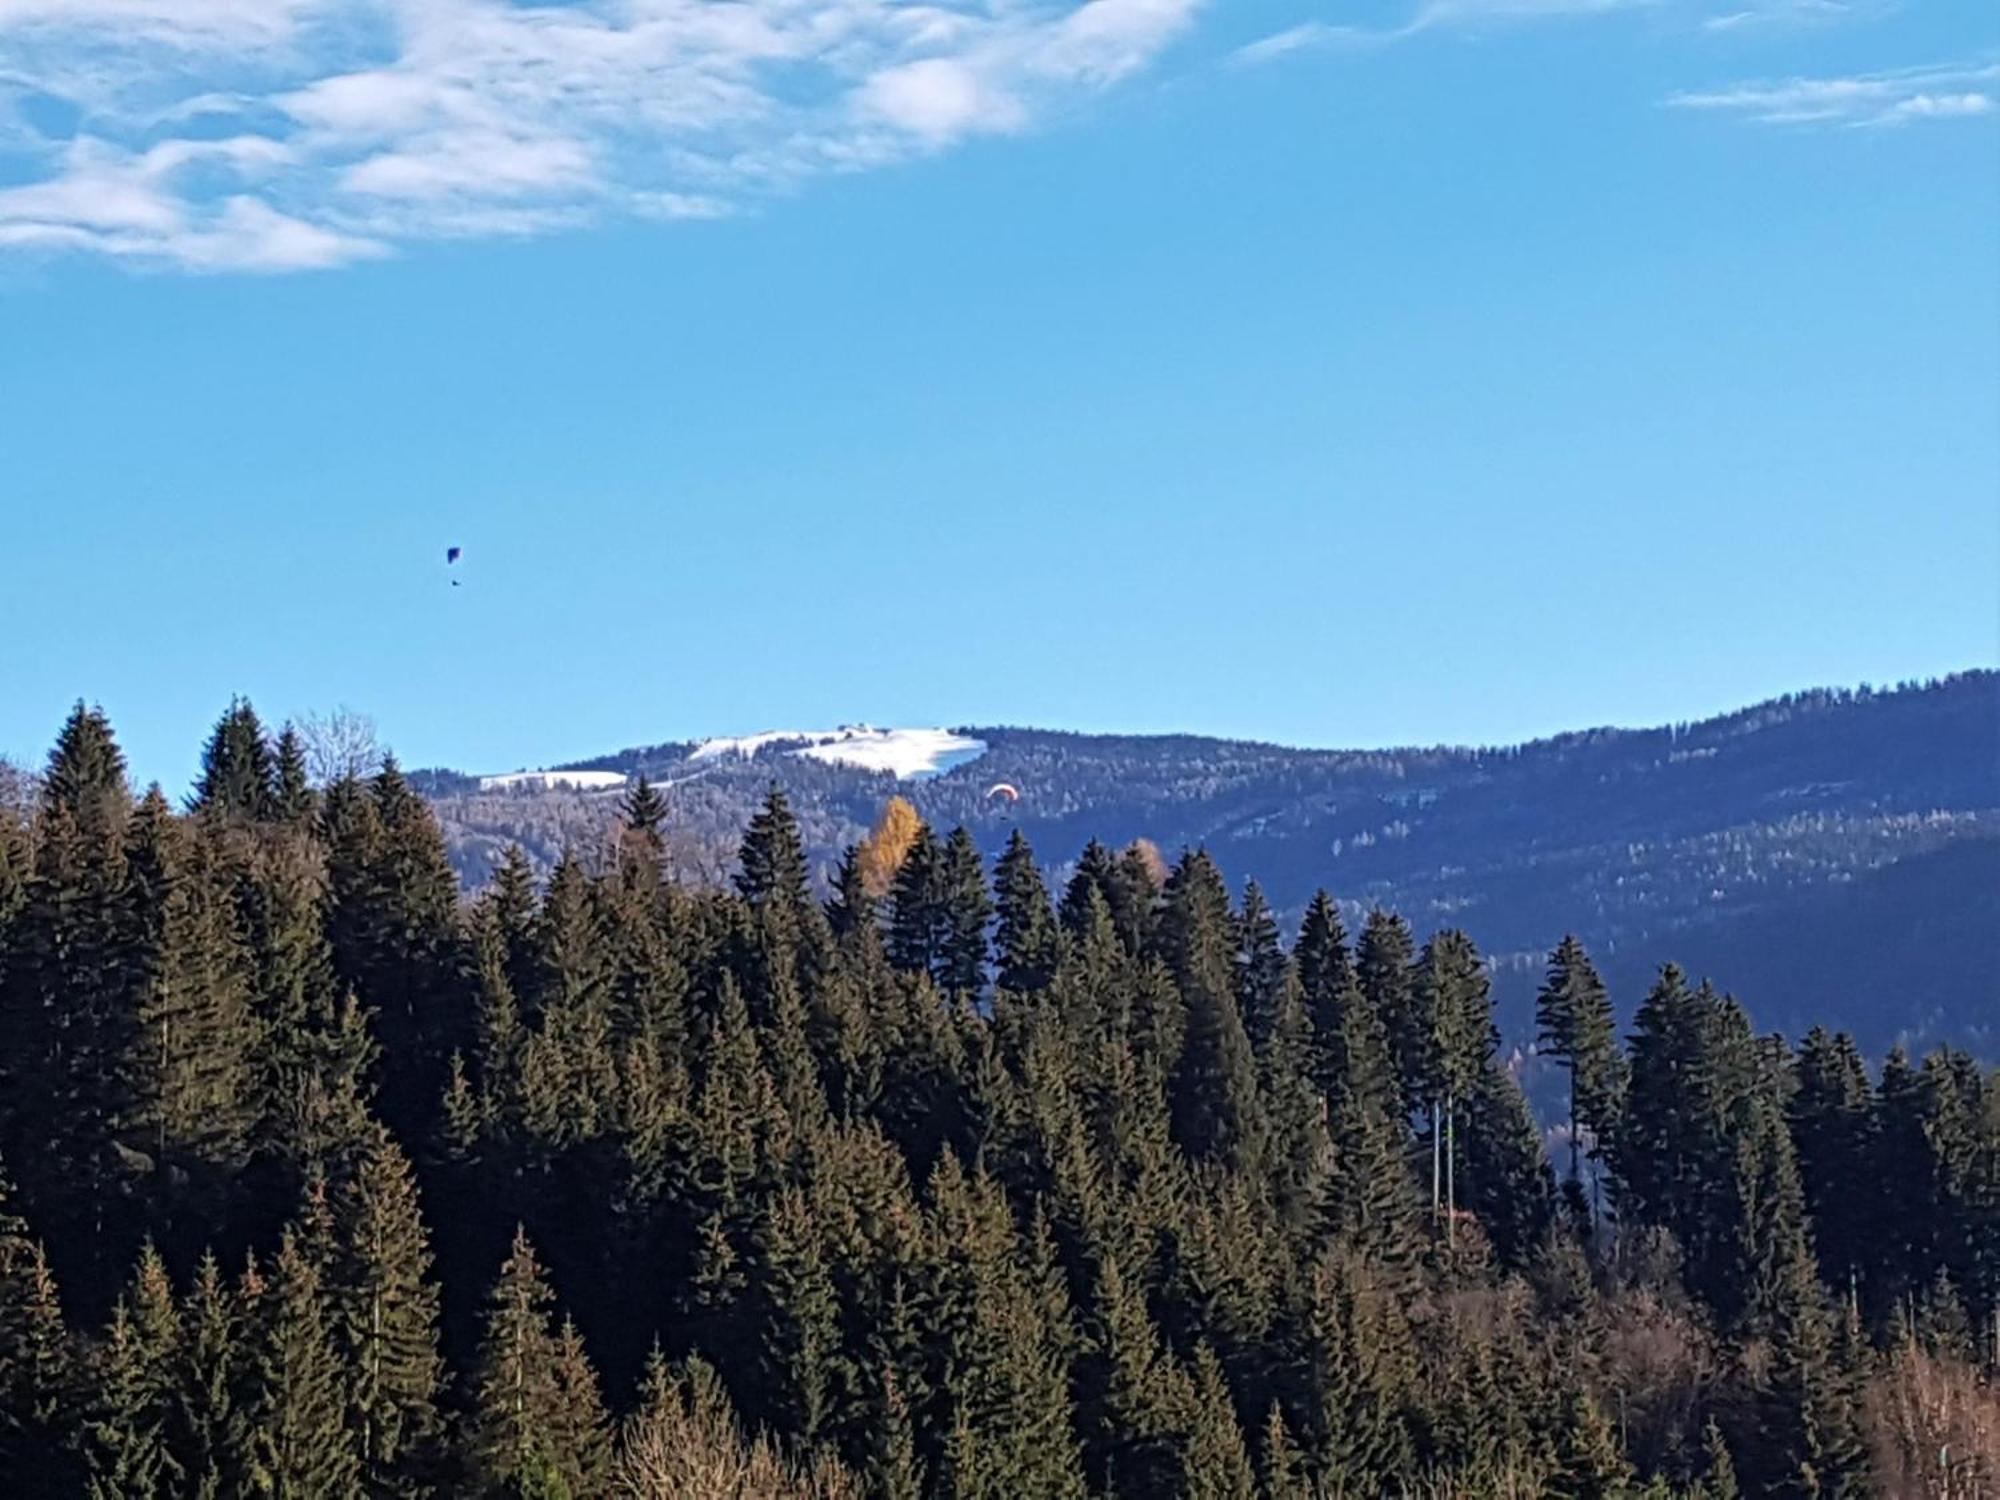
(1450, 370)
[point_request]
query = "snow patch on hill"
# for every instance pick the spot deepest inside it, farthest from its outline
(907, 754)
(542, 781)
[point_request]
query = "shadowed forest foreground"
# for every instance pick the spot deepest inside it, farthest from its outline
(321, 1182)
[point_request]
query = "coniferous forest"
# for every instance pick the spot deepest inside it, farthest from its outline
(321, 1180)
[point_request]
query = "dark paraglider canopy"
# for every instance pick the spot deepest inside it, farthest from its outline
(452, 554)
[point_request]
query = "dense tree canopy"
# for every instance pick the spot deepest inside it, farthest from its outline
(322, 1180)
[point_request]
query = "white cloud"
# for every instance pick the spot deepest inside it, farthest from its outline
(1429, 15)
(939, 99)
(363, 124)
(1952, 91)
(1774, 13)
(1311, 36)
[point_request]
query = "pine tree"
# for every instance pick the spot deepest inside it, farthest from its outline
(1577, 1028)
(1327, 989)
(1216, 1114)
(644, 812)
(192, 1100)
(917, 917)
(1718, 1468)
(1588, 1464)
(66, 1029)
(1509, 1187)
(383, 1312)
(85, 776)
(299, 1445)
(537, 1424)
(579, 1428)
(294, 801)
(1282, 1467)
(1262, 972)
(1026, 932)
(1832, 1116)
(1135, 1399)
(967, 909)
(1356, 1342)
(394, 929)
(1452, 999)
(124, 1442)
(38, 1387)
(238, 773)
(210, 1429)
(1216, 1464)
(1383, 967)
(803, 1373)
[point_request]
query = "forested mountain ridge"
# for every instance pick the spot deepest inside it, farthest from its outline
(952, 1183)
(1700, 839)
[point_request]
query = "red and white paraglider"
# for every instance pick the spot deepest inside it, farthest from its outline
(1005, 791)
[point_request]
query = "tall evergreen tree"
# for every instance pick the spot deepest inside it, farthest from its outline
(1577, 1028)
(967, 909)
(293, 798)
(1026, 931)
(918, 921)
(238, 771)
(1384, 968)
(85, 776)
(298, 1442)
(1262, 971)
(39, 1395)
(1833, 1128)
(383, 1312)
(1215, 1090)
(536, 1424)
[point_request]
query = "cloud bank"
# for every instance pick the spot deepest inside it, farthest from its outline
(295, 134)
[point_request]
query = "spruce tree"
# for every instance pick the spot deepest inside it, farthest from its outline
(918, 923)
(1026, 932)
(1509, 1187)
(210, 1426)
(1383, 964)
(124, 1437)
(1454, 996)
(1262, 972)
(967, 909)
(536, 1421)
(1328, 990)
(38, 1387)
(1832, 1116)
(644, 812)
(85, 776)
(383, 1312)
(238, 772)
(192, 1099)
(299, 1444)
(1216, 1115)
(293, 798)
(1577, 1028)
(1216, 1461)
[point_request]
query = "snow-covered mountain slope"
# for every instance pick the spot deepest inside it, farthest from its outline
(542, 781)
(907, 754)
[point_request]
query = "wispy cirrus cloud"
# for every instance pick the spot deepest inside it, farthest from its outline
(1898, 97)
(289, 134)
(1427, 15)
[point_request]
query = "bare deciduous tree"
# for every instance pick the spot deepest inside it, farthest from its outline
(340, 745)
(18, 788)
(687, 1445)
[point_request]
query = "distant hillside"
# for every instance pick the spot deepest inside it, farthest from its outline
(1804, 852)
